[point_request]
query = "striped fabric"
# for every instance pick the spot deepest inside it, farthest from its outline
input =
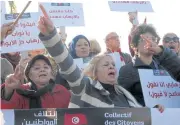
(86, 92)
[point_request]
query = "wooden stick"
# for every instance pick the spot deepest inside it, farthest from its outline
(20, 15)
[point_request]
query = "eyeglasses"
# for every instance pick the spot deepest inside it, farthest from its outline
(168, 39)
(152, 39)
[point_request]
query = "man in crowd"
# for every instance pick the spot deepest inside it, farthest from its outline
(171, 40)
(113, 45)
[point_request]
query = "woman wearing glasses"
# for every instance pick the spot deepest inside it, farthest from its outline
(128, 74)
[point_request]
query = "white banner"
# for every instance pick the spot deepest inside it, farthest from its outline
(25, 35)
(130, 6)
(65, 14)
(159, 88)
(170, 116)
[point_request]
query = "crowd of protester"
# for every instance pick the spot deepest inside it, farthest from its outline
(49, 78)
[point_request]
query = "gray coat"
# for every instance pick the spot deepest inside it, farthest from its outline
(84, 89)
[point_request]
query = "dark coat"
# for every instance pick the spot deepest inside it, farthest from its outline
(130, 80)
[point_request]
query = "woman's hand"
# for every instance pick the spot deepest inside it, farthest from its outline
(160, 108)
(45, 25)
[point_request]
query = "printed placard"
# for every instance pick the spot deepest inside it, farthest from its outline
(65, 14)
(25, 35)
(159, 88)
(131, 6)
(36, 117)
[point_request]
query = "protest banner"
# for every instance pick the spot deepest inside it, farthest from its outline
(80, 116)
(65, 14)
(159, 88)
(25, 35)
(130, 6)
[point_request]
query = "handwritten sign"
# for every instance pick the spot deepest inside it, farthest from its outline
(65, 14)
(25, 35)
(159, 88)
(130, 6)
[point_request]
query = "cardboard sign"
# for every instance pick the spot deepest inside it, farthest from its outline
(159, 88)
(65, 14)
(25, 35)
(130, 6)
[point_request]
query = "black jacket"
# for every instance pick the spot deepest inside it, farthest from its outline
(171, 62)
(130, 80)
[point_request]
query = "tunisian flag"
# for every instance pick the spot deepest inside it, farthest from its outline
(75, 119)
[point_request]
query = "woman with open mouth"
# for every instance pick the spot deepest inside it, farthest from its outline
(40, 92)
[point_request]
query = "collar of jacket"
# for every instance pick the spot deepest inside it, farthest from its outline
(119, 90)
(138, 63)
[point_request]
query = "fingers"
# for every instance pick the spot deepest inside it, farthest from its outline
(8, 24)
(160, 108)
(43, 10)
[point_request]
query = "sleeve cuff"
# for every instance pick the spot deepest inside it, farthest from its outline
(45, 38)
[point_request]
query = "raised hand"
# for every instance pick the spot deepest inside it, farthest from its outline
(45, 25)
(152, 46)
(6, 30)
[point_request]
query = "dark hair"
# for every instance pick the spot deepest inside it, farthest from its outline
(141, 29)
(165, 35)
(33, 60)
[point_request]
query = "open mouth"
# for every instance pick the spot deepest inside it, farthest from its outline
(42, 75)
(111, 74)
(172, 47)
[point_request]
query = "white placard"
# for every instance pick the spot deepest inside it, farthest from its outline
(131, 6)
(25, 35)
(3, 11)
(117, 60)
(170, 116)
(65, 14)
(159, 88)
(7, 117)
(3, 7)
